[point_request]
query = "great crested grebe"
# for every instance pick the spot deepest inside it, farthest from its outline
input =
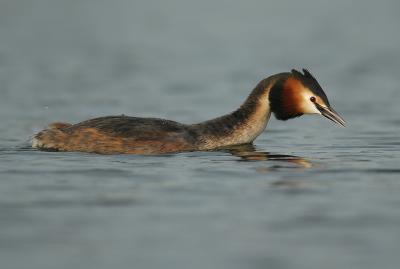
(287, 95)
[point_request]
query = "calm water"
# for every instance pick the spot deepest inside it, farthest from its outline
(308, 195)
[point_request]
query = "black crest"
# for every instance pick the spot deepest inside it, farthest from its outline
(283, 101)
(310, 82)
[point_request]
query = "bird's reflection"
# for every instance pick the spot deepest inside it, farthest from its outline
(248, 152)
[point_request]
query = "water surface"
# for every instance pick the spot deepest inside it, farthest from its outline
(309, 194)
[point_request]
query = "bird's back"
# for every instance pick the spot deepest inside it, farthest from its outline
(118, 134)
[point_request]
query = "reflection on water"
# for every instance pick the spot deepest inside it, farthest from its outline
(248, 152)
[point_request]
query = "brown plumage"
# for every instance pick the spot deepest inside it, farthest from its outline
(282, 94)
(118, 134)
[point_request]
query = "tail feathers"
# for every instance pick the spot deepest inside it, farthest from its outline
(37, 143)
(49, 139)
(59, 125)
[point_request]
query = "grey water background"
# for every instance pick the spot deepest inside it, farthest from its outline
(310, 195)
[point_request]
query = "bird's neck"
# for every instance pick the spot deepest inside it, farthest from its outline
(241, 126)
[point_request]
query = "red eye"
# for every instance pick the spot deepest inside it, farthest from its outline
(312, 99)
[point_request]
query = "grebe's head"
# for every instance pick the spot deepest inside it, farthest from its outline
(295, 94)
